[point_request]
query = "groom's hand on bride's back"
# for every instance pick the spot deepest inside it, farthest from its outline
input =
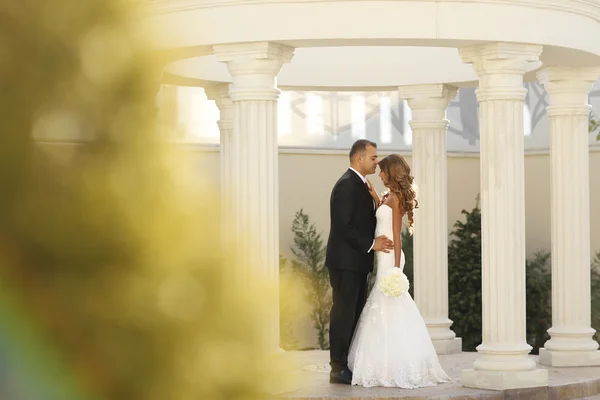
(382, 243)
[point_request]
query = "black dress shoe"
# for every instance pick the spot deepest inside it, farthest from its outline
(344, 377)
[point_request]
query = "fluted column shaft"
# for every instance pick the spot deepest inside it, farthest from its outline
(503, 223)
(429, 126)
(503, 361)
(220, 94)
(571, 342)
(254, 167)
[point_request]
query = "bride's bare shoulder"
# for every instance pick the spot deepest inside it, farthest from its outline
(394, 202)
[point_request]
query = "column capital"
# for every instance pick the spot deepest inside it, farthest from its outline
(428, 104)
(577, 77)
(428, 96)
(219, 92)
(501, 66)
(254, 68)
(254, 51)
(500, 51)
(568, 88)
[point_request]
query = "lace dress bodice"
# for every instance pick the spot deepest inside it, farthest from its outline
(384, 226)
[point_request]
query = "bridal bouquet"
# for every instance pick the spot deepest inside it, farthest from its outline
(395, 284)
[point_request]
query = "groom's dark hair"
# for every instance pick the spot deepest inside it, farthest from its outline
(360, 146)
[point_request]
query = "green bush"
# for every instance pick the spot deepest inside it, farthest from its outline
(538, 282)
(595, 278)
(464, 284)
(464, 279)
(593, 126)
(310, 267)
(407, 247)
(287, 315)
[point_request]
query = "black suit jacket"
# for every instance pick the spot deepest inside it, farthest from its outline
(352, 231)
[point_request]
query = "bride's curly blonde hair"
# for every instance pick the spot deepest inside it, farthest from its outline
(401, 183)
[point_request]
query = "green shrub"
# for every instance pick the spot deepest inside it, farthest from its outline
(464, 281)
(407, 247)
(464, 278)
(310, 267)
(464, 284)
(593, 126)
(595, 278)
(287, 310)
(539, 300)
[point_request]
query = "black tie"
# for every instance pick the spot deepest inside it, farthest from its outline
(367, 185)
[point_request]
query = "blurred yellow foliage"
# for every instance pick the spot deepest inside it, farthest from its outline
(112, 285)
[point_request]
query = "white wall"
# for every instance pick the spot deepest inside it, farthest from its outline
(305, 181)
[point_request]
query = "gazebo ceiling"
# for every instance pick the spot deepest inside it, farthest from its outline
(372, 68)
(359, 44)
(348, 67)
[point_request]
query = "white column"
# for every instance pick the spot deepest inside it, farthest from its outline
(429, 126)
(254, 166)
(503, 362)
(220, 94)
(571, 342)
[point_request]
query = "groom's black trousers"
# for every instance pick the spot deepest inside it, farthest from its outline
(349, 295)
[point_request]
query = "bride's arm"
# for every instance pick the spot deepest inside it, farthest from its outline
(397, 215)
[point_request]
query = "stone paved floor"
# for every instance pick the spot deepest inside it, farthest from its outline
(312, 383)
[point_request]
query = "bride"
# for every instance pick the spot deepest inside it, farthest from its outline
(391, 346)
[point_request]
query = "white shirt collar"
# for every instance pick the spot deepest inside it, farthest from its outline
(358, 173)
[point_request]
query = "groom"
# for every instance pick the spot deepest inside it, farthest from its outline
(350, 252)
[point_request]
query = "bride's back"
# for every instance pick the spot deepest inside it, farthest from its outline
(385, 227)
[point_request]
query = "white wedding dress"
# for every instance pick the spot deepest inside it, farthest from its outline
(391, 346)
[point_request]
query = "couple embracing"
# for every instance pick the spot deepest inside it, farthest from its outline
(382, 340)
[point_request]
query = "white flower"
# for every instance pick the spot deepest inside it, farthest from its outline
(395, 284)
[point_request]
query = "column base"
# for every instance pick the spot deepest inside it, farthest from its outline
(500, 380)
(569, 358)
(447, 346)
